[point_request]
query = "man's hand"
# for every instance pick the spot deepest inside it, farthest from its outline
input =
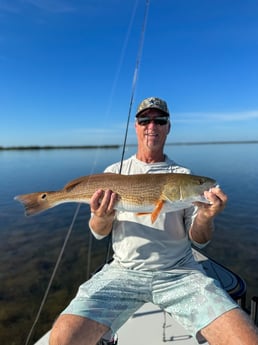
(202, 227)
(218, 200)
(102, 207)
(102, 203)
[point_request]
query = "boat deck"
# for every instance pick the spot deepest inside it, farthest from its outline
(148, 326)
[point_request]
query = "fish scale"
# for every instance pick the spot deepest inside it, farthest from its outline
(134, 190)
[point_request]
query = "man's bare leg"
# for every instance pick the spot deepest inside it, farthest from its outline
(76, 330)
(232, 328)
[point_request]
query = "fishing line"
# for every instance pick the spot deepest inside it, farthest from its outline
(117, 74)
(107, 115)
(135, 78)
(134, 82)
(53, 274)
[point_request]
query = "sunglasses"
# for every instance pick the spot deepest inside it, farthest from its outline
(144, 121)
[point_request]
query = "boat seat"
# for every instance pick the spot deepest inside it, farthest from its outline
(231, 282)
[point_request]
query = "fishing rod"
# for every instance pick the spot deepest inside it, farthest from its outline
(135, 78)
(134, 83)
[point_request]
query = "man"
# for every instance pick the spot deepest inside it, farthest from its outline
(153, 262)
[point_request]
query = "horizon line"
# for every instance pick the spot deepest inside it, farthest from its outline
(116, 146)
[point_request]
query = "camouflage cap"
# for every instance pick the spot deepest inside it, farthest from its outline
(152, 103)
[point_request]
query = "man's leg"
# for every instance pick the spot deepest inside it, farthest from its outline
(76, 330)
(231, 328)
(110, 297)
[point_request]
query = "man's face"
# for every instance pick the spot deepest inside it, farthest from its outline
(150, 134)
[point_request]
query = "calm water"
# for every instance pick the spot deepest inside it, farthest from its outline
(29, 246)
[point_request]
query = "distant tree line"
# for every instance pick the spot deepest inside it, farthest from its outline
(58, 147)
(52, 147)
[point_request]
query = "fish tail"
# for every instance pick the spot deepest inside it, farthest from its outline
(35, 203)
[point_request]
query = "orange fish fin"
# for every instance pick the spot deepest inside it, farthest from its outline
(156, 211)
(142, 213)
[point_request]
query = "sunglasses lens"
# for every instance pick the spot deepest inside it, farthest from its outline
(144, 121)
(161, 121)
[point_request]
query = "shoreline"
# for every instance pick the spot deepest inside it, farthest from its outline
(116, 146)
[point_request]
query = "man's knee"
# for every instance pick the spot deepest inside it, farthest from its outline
(63, 330)
(233, 327)
(76, 330)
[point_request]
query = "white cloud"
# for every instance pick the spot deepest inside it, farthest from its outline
(215, 116)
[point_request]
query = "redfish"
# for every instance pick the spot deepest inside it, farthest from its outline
(142, 193)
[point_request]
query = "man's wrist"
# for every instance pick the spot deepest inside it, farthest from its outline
(101, 225)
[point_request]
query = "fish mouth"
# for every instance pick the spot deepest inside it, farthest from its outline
(214, 185)
(203, 197)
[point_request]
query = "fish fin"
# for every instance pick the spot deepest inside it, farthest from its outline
(34, 203)
(70, 185)
(83, 179)
(143, 213)
(155, 213)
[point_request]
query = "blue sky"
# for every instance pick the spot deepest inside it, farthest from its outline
(66, 69)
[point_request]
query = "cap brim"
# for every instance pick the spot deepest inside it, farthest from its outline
(162, 111)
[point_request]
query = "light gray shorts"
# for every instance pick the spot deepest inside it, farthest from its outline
(112, 295)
